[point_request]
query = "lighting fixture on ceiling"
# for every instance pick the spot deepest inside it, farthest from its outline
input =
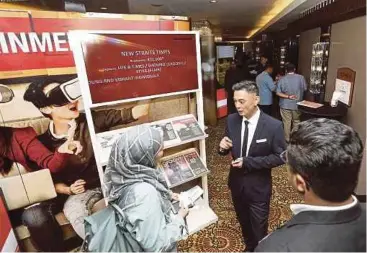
(277, 7)
(104, 8)
(218, 39)
(213, 1)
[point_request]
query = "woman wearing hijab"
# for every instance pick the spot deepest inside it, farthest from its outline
(139, 216)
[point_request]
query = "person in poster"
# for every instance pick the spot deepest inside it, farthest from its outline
(20, 145)
(78, 186)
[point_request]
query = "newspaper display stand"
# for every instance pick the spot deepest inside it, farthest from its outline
(177, 131)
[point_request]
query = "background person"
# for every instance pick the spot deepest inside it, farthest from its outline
(290, 89)
(236, 73)
(266, 85)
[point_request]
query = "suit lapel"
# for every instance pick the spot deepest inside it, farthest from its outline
(237, 137)
(258, 131)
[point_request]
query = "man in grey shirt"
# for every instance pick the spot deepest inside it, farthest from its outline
(290, 90)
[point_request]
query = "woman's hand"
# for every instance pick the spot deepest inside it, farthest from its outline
(183, 212)
(71, 147)
(77, 187)
(175, 196)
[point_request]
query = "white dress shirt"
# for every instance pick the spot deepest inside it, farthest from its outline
(251, 129)
(297, 208)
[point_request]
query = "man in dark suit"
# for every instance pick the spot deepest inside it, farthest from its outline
(324, 158)
(255, 141)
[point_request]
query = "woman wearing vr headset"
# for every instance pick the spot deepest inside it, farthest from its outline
(78, 186)
(21, 145)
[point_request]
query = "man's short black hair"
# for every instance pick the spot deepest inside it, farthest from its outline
(269, 65)
(290, 67)
(328, 155)
(247, 85)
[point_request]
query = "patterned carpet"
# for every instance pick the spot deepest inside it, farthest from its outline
(225, 235)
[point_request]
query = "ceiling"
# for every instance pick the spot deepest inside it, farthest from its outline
(282, 22)
(229, 18)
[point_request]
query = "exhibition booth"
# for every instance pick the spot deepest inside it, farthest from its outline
(115, 70)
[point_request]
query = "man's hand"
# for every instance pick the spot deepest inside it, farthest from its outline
(237, 163)
(225, 143)
(141, 109)
(292, 97)
(77, 187)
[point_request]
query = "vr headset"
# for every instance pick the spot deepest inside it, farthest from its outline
(64, 93)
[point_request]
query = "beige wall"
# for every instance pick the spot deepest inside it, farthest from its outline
(348, 49)
(307, 39)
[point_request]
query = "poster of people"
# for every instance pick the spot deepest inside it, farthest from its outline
(44, 128)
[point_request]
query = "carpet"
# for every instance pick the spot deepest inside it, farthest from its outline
(225, 235)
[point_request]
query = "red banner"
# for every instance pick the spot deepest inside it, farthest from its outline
(42, 43)
(137, 65)
(8, 242)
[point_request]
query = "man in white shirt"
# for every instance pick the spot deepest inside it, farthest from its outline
(324, 158)
(255, 141)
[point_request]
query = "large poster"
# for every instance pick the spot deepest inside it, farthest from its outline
(48, 171)
(139, 65)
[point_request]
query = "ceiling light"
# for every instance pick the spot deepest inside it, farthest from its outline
(103, 8)
(277, 7)
(212, 1)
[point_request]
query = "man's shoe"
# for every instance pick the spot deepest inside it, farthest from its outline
(247, 249)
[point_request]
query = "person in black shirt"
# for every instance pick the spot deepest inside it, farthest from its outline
(324, 158)
(262, 64)
(237, 73)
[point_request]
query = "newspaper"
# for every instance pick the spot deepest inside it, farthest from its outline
(182, 167)
(176, 131)
(188, 128)
(310, 104)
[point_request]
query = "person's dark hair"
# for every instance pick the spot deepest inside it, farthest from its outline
(239, 59)
(34, 92)
(247, 85)
(328, 155)
(269, 65)
(290, 67)
(6, 135)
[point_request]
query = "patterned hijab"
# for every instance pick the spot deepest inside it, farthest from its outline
(133, 160)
